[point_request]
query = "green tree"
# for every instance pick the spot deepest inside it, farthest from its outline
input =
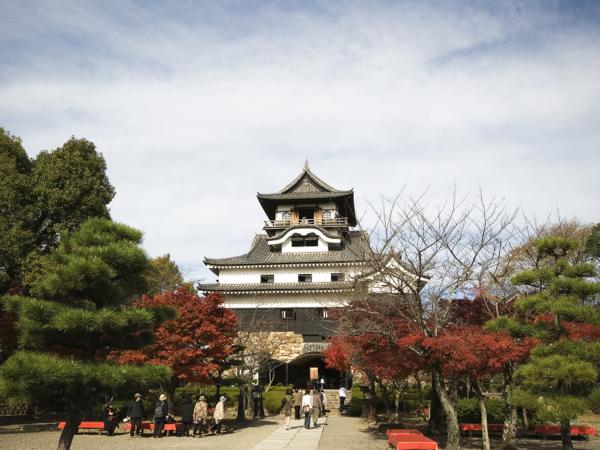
(70, 185)
(40, 198)
(162, 275)
(592, 246)
(559, 305)
(17, 209)
(83, 313)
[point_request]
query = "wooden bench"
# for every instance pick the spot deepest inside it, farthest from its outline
(576, 430)
(411, 441)
(146, 425)
(85, 426)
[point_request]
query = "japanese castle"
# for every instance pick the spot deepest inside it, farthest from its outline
(296, 272)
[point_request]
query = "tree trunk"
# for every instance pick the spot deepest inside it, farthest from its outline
(565, 435)
(421, 397)
(67, 434)
(435, 413)
(485, 436)
(453, 432)
(241, 412)
(509, 431)
(525, 419)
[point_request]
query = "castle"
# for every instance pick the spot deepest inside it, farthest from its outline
(305, 264)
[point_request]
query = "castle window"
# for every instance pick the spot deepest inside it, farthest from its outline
(322, 313)
(305, 278)
(327, 216)
(287, 313)
(310, 240)
(267, 278)
(286, 216)
(338, 276)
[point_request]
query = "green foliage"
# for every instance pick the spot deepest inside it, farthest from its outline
(468, 410)
(557, 382)
(70, 185)
(594, 400)
(272, 398)
(40, 378)
(162, 274)
(41, 198)
(101, 263)
(43, 324)
(17, 210)
(592, 245)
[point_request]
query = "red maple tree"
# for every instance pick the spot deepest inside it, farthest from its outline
(195, 342)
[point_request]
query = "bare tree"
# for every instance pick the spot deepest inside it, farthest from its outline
(421, 256)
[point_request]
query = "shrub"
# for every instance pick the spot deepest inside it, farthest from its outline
(468, 410)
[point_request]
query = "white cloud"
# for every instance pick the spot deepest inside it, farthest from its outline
(199, 107)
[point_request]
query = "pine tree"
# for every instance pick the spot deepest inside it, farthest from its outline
(559, 305)
(85, 287)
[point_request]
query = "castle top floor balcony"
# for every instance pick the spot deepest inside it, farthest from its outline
(281, 224)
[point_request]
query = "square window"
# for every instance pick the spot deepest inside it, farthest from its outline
(338, 276)
(287, 313)
(305, 278)
(267, 278)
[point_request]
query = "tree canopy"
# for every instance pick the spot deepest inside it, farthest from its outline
(43, 197)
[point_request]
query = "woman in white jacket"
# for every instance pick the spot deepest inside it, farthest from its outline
(307, 405)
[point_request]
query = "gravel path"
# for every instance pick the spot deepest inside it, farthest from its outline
(243, 438)
(349, 433)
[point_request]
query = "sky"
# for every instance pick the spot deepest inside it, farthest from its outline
(198, 105)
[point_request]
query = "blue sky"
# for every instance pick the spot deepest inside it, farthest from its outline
(196, 106)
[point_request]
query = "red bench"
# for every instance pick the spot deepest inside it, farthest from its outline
(470, 427)
(411, 441)
(146, 425)
(85, 426)
(395, 431)
(576, 430)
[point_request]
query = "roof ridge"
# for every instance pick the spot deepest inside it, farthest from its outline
(307, 172)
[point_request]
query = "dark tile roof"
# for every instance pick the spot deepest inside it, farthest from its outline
(276, 287)
(355, 249)
(308, 195)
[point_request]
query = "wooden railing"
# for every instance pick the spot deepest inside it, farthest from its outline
(336, 222)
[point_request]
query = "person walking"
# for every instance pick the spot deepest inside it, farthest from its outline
(200, 415)
(317, 405)
(323, 402)
(342, 394)
(297, 403)
(287, 402)
(187, 415)
(161, 411)
(135, 412)
(307, 408)
(219, 415)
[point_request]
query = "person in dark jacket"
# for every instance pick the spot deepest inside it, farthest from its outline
(135, 412)
(111, 419)
(161, 411)
(187, 415)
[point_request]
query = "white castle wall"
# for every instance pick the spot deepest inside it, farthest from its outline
(319, 274)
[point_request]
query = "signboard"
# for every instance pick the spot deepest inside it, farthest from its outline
(314, 373)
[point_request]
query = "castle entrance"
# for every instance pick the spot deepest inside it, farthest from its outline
(297, 372)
